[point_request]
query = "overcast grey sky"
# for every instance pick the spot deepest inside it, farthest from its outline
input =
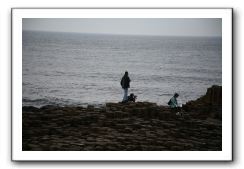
(135, 26)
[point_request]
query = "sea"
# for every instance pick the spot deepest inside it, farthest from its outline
(75, 69)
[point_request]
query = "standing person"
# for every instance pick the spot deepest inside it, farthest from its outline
(125, 84)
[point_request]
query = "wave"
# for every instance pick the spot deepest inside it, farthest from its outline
(38, 102)
(56, 102)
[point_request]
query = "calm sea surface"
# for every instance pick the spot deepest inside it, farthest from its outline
(81, 69)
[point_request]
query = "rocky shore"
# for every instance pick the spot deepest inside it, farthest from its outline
(140, 126)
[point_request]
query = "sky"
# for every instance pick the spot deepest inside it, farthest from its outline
(129, 26)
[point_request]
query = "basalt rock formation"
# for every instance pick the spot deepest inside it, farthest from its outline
(140, 126)
(207, 106)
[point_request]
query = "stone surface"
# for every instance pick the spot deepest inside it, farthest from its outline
(140, 126)
(209, 105)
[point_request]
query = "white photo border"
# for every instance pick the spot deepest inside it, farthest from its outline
(19, 13)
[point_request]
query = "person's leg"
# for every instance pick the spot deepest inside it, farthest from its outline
(125, 94)
(174, 110)
(180, 110)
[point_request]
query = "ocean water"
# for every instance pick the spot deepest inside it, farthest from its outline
(80, 69)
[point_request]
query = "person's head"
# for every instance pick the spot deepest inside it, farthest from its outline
(126, 73)
(176, 95)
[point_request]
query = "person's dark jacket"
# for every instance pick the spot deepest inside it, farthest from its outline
(125, 82)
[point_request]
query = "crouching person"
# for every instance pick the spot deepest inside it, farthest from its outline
(173, 103)
(132, 97)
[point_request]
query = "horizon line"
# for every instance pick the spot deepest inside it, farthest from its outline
(114, 34)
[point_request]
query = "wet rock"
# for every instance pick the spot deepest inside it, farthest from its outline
(140, 126)
(207, 106)
(30, 109)
(48, 107)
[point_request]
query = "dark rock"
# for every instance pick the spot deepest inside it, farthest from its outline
(139, 126)
(209, 105)
(48, 107)
(30, 109)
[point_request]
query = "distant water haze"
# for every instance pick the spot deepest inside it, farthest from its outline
(129, 26)
(80, 69)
